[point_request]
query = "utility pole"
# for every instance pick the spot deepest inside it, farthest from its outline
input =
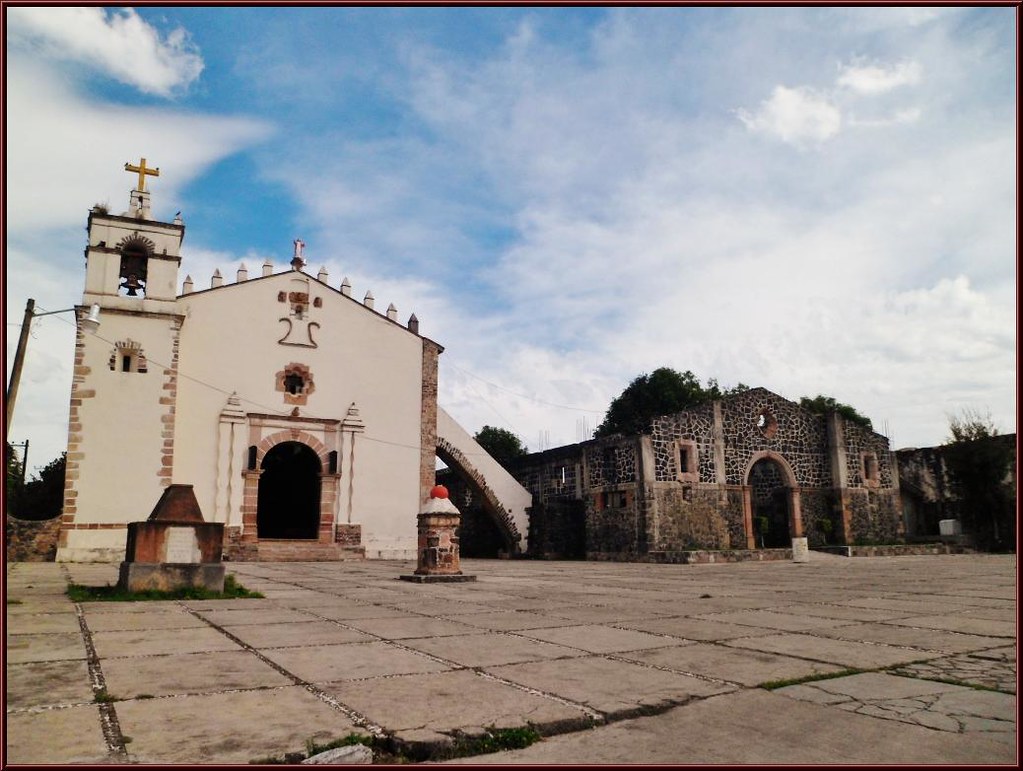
(19, 359)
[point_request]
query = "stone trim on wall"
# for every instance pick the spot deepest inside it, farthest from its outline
(428, 412)
(72, 467)
(169, 400)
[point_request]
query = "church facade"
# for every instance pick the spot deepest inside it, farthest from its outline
(304, 419)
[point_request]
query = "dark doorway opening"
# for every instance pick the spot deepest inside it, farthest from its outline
(770, 498)
(289, 493)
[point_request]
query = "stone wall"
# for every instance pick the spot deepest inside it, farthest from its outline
(694, 518)
(31, 540)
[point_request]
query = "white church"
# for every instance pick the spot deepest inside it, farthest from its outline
(305, 419)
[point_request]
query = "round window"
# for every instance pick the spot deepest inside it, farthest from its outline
(767, 424)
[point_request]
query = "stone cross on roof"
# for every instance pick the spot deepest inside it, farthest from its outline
(143, 172)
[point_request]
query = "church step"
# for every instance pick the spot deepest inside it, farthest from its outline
(272, 550)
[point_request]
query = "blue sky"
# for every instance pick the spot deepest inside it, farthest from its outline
(812, 200)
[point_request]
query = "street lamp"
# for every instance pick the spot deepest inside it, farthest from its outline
(90, 322)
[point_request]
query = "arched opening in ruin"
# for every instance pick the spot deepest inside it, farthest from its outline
(770, 503)
(288, 504)
(485, 530)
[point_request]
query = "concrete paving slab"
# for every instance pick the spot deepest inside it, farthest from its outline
(42, 623)
(960, 623)
(406, 628)
(488, 649)
(48, 683)
(841, 652)
(846, 612)
(351, 612)
(236, 727)
(768, 619)
(924, 639)
(60, 736)
(30, 606)
(980, 668)
(240, 616)
(600, 615)
(407, 705)
(328, 663)
(154, 620)
(906, 605)
(940, 706)
(596, 638)
(747, 667)
(694, 628)
(146, 643)
(23, 648)
(303, 633)
(129, 678)
(510, 620)
(597, 682)
(704, 733)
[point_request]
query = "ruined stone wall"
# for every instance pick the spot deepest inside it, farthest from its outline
(31, 540)
(695, 425)
(859, 442)
(875, 516)
(696, 519)
(817, 506)
(759, 420)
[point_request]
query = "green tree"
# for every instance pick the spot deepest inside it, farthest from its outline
(978, 462)
(15, 474)
(821, 405)
(502, 444)
(662, 392)
(43, 495)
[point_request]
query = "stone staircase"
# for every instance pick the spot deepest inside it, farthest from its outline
(286, 550)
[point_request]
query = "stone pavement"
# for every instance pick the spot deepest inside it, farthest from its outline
(612, 662)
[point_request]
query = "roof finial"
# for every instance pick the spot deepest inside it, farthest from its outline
(298, 261)
(143, 172)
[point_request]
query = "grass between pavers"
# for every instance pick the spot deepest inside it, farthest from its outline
(387, 751)
(772, 685)
(232, 591)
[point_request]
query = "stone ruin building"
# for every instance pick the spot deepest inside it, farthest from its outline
(750, 471)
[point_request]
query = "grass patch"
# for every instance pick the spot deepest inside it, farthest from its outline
(772, 685)
(385, 750)
(13, 602)
(492, 740)
(102, 697)
(232, 591)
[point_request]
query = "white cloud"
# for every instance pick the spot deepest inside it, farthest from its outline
(874, 79)
(119, 44)
(795, 115)
(65, 152)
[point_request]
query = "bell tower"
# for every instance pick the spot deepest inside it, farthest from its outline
(124, 388)
(132, 259)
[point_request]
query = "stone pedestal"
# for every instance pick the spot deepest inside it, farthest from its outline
(438, 559)
(174, 548)
(800, 550)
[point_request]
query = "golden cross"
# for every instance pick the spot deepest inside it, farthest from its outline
(143, 171)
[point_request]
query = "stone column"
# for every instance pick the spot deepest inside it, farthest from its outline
(438, 543)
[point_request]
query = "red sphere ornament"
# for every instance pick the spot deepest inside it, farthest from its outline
(439, 491)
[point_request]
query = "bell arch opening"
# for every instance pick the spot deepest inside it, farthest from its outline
(288, 503)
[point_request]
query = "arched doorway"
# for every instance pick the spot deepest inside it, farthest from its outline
(288, 505)
(770, 504)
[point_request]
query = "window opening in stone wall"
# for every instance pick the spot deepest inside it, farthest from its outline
(127, 356)
(294, 383)
(871, 472)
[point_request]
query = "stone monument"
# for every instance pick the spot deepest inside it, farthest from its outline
(174, 548)
(438, 542)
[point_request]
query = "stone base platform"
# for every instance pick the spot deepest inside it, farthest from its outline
(168, 576)
(437, 578)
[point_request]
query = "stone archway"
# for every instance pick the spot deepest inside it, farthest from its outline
(288, 502)
(771, 502)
